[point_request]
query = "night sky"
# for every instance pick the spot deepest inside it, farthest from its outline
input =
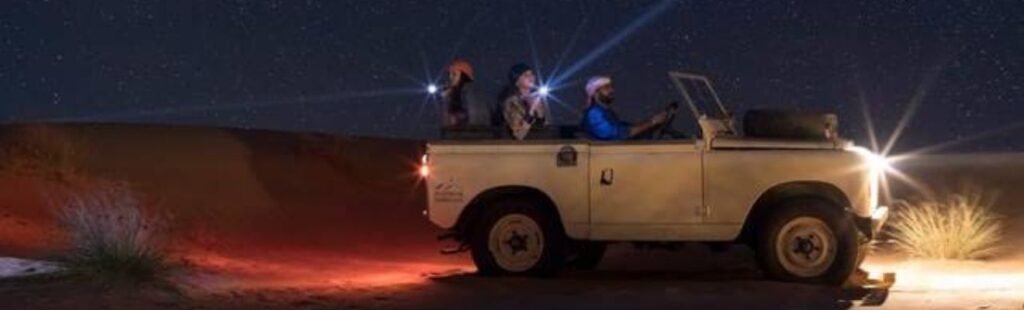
(360, 67)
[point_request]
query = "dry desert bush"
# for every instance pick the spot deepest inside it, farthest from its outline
(960, 225)
(111, 234)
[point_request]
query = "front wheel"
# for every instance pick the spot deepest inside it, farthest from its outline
(515, 237)
(808, 241)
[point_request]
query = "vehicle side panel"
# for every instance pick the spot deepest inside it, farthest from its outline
(645, 192)
(735, 179)
(497, 165)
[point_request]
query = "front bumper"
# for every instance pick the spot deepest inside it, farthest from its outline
(870, 226)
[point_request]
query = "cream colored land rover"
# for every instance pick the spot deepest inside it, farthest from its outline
(804, 199)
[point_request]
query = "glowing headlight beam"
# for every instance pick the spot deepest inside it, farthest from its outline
(880, 163)
(911, 110)
(868, 121)
(875, 161)
(885, 189)
(982, 135)
(916, 185)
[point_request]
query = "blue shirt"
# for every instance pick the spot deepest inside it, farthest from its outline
(601, 123)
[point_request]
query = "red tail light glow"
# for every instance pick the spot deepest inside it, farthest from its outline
(425, 166)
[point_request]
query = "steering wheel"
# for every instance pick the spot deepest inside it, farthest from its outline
(659, 132)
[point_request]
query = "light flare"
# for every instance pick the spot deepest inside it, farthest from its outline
(876, 162)
(614, 40)
(544, 91)
(868, 122)
(424, 169)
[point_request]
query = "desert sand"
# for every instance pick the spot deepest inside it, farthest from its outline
(297, 220)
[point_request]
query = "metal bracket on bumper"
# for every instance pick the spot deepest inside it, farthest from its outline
(462, 247)
(878, 218)
(871, 225)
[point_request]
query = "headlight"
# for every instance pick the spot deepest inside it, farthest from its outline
(876, 162)
(878, 166)
(879, 163)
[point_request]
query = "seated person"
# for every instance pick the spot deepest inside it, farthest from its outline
(601, 123)
(462, 106)
(522, 108)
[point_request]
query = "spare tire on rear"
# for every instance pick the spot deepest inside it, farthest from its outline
(779, 124)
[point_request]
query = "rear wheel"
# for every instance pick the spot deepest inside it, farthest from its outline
(515, 237)
(809, 241)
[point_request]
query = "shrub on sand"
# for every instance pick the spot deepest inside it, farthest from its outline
(958, 226)
(110, 233)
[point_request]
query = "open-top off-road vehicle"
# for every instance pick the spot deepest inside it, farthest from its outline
(803, 198)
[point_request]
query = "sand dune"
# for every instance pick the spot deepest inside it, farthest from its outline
(234, 186)
(229, 187)
(261, 209)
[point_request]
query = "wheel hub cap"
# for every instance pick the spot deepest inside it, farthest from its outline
(516, 242)
(806, 247)
(809, 247)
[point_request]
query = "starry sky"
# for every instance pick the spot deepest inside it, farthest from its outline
(360, 67)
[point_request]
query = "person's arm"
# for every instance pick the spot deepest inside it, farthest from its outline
(537, 110)
(655, 121)
(602, 128)
(638, 129)
(516, 119)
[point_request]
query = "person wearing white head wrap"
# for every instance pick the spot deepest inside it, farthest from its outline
(601, 122)
(594, 83)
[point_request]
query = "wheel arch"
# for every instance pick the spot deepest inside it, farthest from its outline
(770, 199)
(474, 209)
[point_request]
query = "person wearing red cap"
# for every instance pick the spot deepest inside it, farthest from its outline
(521, 106)
(462, 106)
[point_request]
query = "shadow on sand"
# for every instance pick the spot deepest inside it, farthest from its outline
(652, 289)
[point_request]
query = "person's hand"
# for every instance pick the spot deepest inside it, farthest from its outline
(536, 107)
(660, 118)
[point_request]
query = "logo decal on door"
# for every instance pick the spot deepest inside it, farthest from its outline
(448, 192)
